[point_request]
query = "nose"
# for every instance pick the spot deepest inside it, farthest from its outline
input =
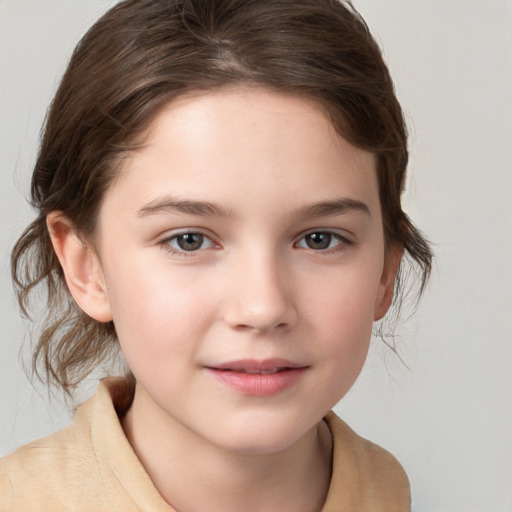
(260, 296)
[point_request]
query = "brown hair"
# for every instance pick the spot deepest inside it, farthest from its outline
(143, 53)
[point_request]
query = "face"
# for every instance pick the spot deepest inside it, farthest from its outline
(242, 257)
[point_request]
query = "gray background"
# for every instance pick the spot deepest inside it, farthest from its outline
(448, 419)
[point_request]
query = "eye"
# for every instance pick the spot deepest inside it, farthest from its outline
(188, 242)
(322, 240)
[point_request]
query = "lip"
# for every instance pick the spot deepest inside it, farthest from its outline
(258, 377)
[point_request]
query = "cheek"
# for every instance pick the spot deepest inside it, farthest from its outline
(343, 310)
(346, 299)
(347, 326)
(158, 318)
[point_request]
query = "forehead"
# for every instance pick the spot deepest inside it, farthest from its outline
(261, 142)
(232, 111)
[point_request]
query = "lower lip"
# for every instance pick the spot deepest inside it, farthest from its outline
(256, 384)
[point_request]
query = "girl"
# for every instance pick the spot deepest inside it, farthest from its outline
(218, 193)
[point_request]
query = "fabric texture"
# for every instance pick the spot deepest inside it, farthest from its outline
(90, 466)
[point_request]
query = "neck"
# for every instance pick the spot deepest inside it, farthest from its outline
(193, 475)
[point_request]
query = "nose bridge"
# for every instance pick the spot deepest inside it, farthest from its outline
(260, 297)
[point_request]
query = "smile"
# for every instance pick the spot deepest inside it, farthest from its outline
(258, 372)
(258, 378)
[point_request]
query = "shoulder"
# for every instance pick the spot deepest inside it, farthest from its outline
(377, 480)
(36, 469)
(68, 469)
(39, 469)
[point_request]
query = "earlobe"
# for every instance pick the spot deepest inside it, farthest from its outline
(81, 267)
(387, 283)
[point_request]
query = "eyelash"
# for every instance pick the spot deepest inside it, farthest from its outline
(343, 242)
(166, 243)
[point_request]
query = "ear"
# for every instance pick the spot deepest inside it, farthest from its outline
(387, 281)
(81, 267)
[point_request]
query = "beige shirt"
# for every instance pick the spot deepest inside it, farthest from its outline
(91, 467)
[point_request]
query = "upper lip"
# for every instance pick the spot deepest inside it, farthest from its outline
(255, 365)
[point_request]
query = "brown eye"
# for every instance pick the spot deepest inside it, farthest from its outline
(318, 241)
(190, 241)
(322, 240)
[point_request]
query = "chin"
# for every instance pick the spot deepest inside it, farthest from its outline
(261, 437)
(251, 447)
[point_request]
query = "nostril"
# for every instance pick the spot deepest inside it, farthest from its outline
(259, 304)
(261, 328)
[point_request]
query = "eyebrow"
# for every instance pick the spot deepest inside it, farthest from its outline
(189, 207)
(207, 209)
(335, 207)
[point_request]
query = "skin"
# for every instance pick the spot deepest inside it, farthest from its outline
(258, 286)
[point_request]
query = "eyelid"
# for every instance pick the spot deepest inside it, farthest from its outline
(165, 240)
(343, 237)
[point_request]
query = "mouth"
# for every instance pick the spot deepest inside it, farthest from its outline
(256, 372)
(258, 378)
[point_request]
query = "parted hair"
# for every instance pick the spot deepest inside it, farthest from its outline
(139, 56)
